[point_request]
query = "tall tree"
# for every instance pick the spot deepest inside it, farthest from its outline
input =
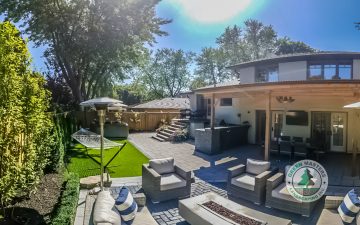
(168, 72)
(259, 38)
(90, 43)
(211, 67)
(287, 46)
(233, 45)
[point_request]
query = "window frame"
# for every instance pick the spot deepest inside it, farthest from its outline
(226, 105)
(330, 62)
(266, 68)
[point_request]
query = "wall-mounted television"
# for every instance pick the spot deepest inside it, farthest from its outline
(298, 118)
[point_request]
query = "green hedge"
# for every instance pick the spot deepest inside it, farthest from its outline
(66, 209)
(64, 126)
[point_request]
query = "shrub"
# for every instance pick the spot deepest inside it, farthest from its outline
(25, 127)
(66, 209)
(64, 126)
(180, 135)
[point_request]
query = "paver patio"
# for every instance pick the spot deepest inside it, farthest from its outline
(210, 168)
(210, 175)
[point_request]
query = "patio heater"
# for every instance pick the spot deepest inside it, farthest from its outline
(101, 105)
(355, 105)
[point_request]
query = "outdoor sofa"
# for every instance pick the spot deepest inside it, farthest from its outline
(163, 180)
(249, 181)
(278, 197)
(103, 212)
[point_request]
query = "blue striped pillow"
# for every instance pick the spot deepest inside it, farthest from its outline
(349, 207)
(126, 205)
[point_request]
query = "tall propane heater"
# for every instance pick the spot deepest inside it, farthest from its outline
(101, 105)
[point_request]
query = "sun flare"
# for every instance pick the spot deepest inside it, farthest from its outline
(213, 11)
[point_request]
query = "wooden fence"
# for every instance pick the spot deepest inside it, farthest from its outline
(137, 121)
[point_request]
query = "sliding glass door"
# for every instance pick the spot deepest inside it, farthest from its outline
(338, 132)
(328, 131)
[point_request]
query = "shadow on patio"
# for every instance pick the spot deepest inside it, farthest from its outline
(337, 165)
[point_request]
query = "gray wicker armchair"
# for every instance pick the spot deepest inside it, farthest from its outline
(278, 197)
(244, 182)
(165, 184)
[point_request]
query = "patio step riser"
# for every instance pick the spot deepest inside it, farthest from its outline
(162, 136)
(177, 126)
(164, 133)
(172, 129)
(180, 123)
(158, 138)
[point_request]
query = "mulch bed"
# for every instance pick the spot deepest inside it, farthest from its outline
(231, 215)
(37, 209)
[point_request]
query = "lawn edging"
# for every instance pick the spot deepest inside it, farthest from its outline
(66, 209)
(140, 149)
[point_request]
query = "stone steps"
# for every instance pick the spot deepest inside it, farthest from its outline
(165, 135)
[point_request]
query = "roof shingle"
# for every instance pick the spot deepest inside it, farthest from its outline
(165, 103)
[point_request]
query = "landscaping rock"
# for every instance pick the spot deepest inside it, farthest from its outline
(94, 181)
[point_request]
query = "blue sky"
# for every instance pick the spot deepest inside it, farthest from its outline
(323, 24)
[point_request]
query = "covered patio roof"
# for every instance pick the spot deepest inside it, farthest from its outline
(341, 88)
(346, 90)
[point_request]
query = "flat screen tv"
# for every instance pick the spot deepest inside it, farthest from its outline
(298, 118)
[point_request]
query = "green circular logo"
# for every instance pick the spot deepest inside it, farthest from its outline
(306, 181)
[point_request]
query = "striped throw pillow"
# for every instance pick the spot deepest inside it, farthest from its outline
(126, 205)
(349, 207)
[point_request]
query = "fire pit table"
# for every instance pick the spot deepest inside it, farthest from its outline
(211, 209)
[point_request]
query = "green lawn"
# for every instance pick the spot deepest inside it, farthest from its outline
(126, 164)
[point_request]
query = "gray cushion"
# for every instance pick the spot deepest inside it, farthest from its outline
(104, 211)
(162, 166)
(287, 167)
(171, 181)
(281, 192)
(256, 166)
(246, 181)
(329, 216)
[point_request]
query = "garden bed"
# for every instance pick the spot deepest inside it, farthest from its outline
(38, 208)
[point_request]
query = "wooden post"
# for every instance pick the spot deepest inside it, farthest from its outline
(146, 120)
(267, 127)
(354, 155)
(212, 122)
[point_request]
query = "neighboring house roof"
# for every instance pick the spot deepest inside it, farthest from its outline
(299, 57)
(165, 103)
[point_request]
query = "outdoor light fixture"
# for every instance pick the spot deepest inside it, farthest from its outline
(285, 99)
(101, 105)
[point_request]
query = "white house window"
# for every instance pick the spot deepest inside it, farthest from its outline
(268, 74)
(330, 71)
(226, 102)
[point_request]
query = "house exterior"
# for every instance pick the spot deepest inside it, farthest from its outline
(299, 95)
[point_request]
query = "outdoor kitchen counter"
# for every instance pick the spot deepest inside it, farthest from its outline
(220, 138)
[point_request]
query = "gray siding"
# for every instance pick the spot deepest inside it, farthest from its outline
(292, 71)
(356, 69)
(247, 75)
